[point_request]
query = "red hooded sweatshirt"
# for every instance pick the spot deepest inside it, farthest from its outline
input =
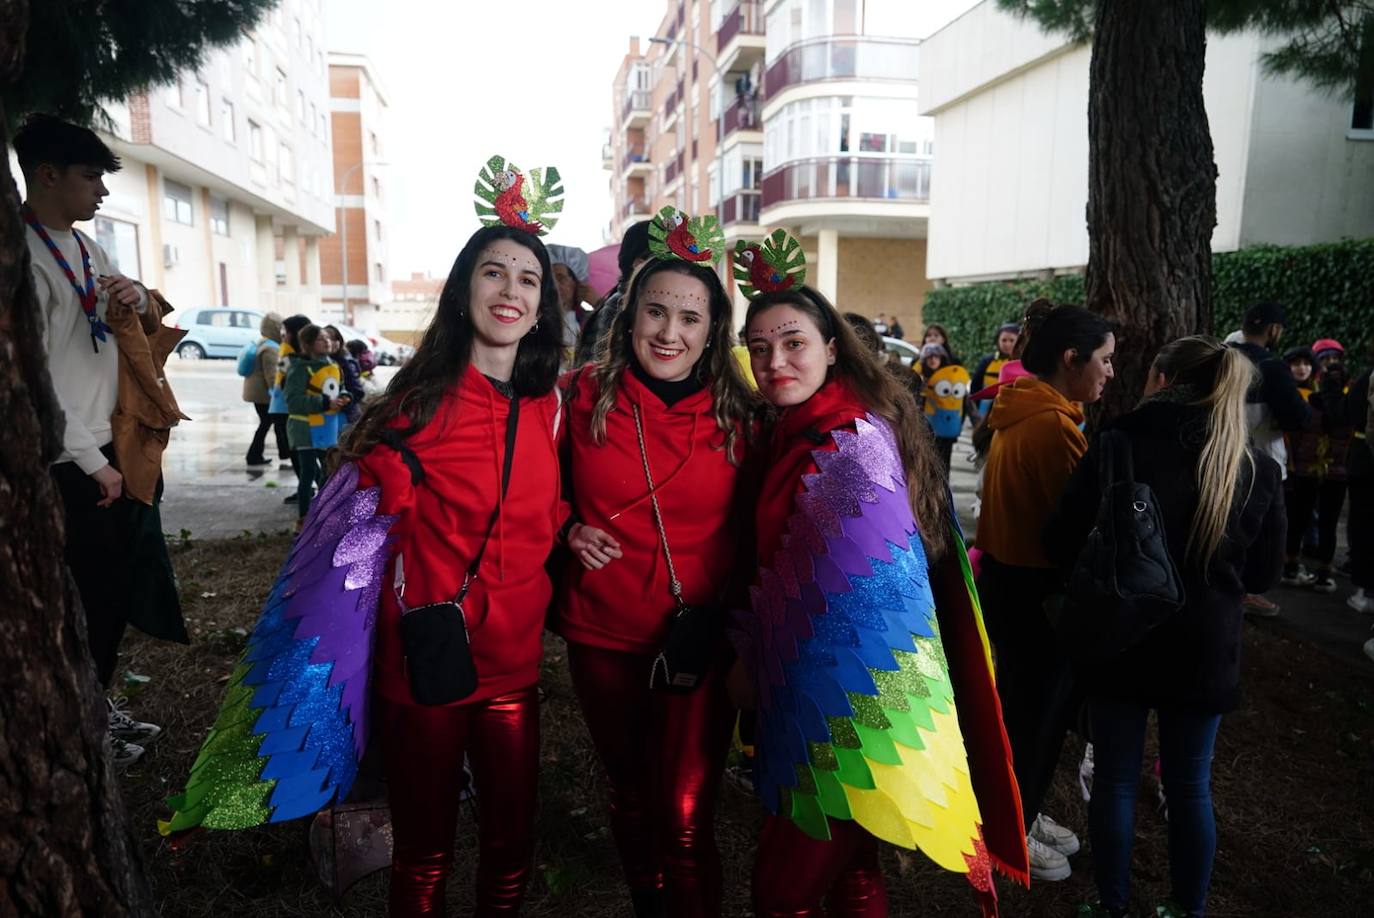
(626, 605)
(442, 523)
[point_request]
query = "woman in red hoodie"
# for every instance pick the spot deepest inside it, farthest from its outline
(655, 439)
(463, 448)
(863, 652)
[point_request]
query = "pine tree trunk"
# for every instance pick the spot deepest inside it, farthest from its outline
(65, 847)
(1151, 183)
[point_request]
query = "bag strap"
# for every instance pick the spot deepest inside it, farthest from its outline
(1117, 465)
(674, 586)
(512, 423)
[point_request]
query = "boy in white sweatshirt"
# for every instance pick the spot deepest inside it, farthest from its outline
(63, 167)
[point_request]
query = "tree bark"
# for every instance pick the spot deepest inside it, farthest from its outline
(65, 846)
(1151, 183)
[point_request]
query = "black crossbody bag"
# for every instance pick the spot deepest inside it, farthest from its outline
(438, 651)
(686, 656)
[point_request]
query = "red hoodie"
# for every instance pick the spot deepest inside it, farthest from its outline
(626, 605)
(800, 430)
(444, 519)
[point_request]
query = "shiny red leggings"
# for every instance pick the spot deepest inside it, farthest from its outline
(794, 872)
(663, 754)
(424, 748)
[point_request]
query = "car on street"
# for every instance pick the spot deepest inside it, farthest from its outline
(907, 352)
(387, 352)
(218, 332)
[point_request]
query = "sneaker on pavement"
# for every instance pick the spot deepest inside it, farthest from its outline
(1045, 863)
(290, 498)
(1361, 602)
(1054, 835)
(1085, 774)
(1260, 607)
(124, 727)
(261, 460)
(1322, 583)
(1297, 576)
(285, 464)
(124, 753)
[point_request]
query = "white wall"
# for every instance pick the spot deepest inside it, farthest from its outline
(1009, 185)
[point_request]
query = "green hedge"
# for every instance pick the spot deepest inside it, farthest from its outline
(1327, 290)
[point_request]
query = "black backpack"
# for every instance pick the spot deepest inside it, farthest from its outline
(1124, 582)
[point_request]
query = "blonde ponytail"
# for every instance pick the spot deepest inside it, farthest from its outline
(1222, 376)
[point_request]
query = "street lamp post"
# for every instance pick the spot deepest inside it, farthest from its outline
(720, 121)
(343, 233)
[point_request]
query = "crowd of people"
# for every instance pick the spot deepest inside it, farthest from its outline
(771, 555)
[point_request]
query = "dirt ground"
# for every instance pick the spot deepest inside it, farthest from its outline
(1293, 783)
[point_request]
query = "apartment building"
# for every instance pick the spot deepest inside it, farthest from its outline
(1010, 106)
(800, 114)
(356, 286)
(226, 186)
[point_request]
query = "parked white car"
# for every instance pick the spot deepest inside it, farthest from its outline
(909, 353)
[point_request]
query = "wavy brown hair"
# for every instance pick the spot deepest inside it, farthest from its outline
(735, 404)
(886, 396)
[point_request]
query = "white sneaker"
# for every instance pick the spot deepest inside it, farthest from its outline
(1298, 576)
(1085, 774)
(1053, 835)
(124, 727)
(1046, 863)
(123, 754)
(1361, 602)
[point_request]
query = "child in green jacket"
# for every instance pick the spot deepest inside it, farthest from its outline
(314, 397)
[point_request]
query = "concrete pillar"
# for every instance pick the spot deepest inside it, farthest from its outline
(312, 267)
(828, 262)
(267, 263)
(291, 252)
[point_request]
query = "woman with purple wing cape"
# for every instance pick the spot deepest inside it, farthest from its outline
(877, 714)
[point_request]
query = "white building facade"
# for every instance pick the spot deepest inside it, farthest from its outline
(1010, 109)
(226, 185)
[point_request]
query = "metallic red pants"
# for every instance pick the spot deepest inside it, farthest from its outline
(423, 748)
(793, 872)
(664, 755)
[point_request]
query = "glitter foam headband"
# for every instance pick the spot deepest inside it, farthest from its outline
(673, 234)
(506, 197)
(776, 263)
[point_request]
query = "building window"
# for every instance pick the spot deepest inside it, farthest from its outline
(300, 105)
(315, 122)
(377, 230)
(226, 120)
(296, 33)
(176, 202)
(376, 188)
(219, 216)
(1362, 112)
(255, 147)
(372, 141)
(202, 92)
(120, 241)
(322, 129)
(172, 95)
(250, 56)
(379, 273)
(279, 88)
(286, 164)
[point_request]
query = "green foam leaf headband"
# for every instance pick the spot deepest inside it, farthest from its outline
(504, 196)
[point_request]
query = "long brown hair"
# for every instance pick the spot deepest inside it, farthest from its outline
(885, 396)
(1221, 376)
(735, 403)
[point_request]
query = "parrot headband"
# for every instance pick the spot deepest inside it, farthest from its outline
(776, 263)
(507, 197)
(674, 235)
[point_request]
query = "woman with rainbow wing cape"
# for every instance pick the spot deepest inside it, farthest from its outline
(429, 543)
(877, 714)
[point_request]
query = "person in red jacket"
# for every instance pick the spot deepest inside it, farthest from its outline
(828, 390)
(666, 403)
(436, 443)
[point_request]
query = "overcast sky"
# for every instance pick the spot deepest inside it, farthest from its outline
(529, 79)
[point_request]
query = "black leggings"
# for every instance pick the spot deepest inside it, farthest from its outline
(311, 472)
(1325, 496)
(276, 423)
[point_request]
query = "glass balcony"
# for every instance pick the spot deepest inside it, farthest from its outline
(742, 115)
(842, 59)
(741, 207)
(868, 178)
(746, 18)
(635, 101)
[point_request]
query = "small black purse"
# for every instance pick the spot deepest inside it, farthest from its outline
(438, 653)
(687, 652)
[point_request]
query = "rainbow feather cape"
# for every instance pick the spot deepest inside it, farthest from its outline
(875, 704)
(294, 721)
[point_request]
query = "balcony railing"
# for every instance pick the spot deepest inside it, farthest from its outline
(741, 207)
(635, 100)
(670, 104)
(633, 156)
(884, 178)
(742, 115)
(746, 17)
(673, 170)
(841, 59)
(635, 204)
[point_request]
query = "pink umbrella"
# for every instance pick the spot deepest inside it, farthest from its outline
(603, 269)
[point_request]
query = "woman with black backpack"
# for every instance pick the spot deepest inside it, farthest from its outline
(1221, 504)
